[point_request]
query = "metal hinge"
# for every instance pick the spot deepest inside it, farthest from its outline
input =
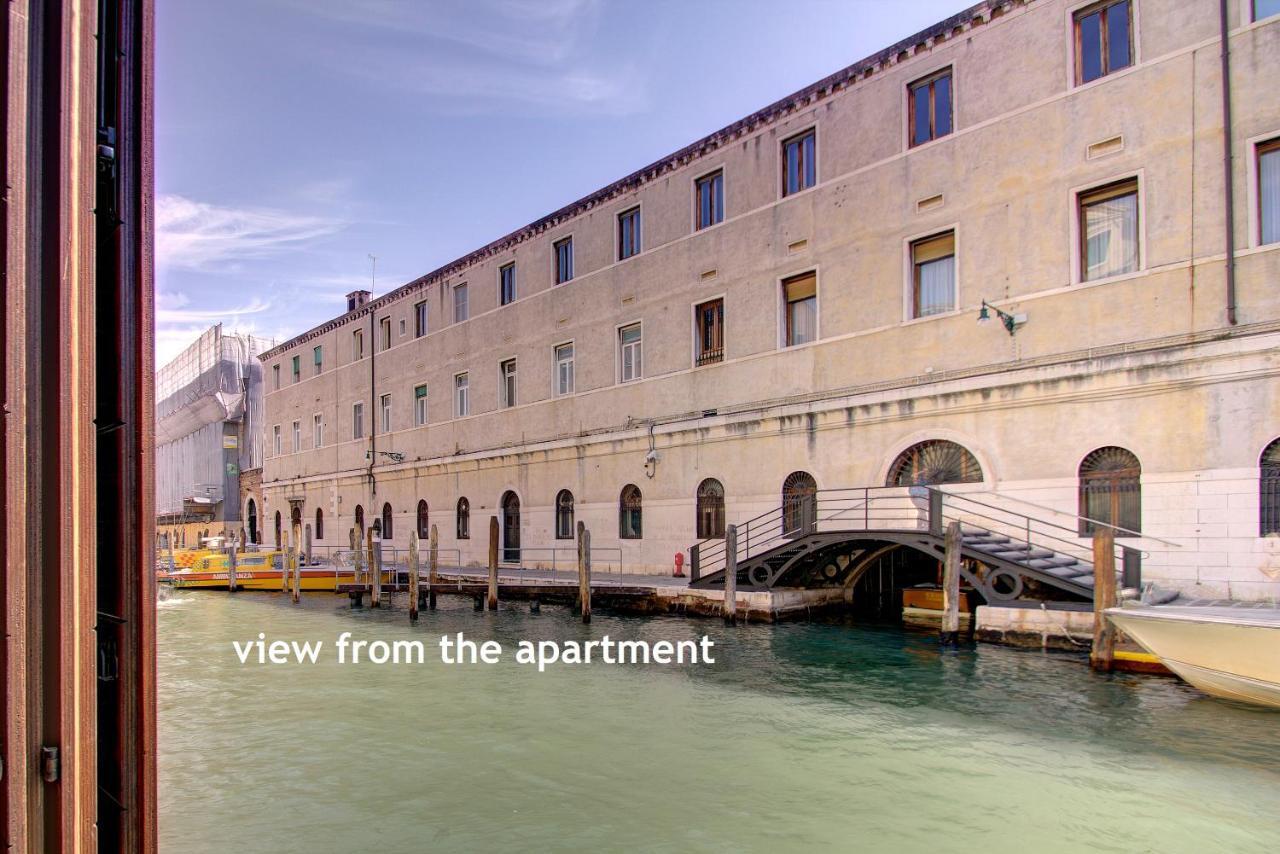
(50, 768)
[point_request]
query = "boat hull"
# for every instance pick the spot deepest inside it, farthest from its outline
(1231, 655)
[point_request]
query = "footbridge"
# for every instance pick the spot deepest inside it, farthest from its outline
(830, 537)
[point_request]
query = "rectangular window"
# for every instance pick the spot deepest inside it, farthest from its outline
(709, 318)
(385, 326)
(420, 319)
(317, 357)
(461, 310)
(631, 361)
(317, 431)
(933, 275)
(277, 444)
(297, 368)
(297, 436)
(402, 327)
(275, 377)
(420, 405)
(800, 309)
(357, 344)
(357, 421)
(799, 163)
(507, 284)
(564, 260)
(508, 378)
(385, 402)
(461, 396)
(1104, 39)
(1265, 9)
(564, 369)
(1269, 191)
(710, 192)
(1109, 231)
(929, 107)
(628, 233)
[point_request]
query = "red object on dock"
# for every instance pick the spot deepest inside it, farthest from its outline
(678, 572)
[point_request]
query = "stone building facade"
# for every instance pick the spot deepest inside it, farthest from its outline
(796, 294)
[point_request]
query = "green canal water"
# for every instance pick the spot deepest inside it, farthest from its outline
(799, 737)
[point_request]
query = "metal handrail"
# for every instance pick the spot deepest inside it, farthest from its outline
(1098, 522)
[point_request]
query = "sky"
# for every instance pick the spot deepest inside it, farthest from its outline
(295, 138)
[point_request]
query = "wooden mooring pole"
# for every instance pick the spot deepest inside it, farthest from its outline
(432, 580)
(231, 568)
(493, 563)
(584, 571)
(731, 574)
(357, 569)
(414, 580)
(295, 561)
(950, 634)
(1104, 597)
(375, 570)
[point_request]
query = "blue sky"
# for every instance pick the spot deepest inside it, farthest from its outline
(296, 137)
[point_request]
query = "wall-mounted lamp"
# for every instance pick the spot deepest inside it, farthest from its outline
(1011, 321)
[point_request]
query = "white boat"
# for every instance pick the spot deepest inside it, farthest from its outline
(1227, 651)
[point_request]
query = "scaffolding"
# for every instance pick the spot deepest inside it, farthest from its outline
(208, 411)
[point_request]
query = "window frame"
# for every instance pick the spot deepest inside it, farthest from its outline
(698, 361)
(558, 510)
(461, 287)
(357, 420)
(698, 181)
(420, 405)
(317, 358)
(277, 441)
(1257, 146)
(929, 80)
(295, 367)
(1075, 67)
(462, 518)
(508, 383)
(1078, 236)
(384, 411)
(420, 318)
(784, 193)
(1250, 13)
(384, 327)
(460, 410)
(357, 344)
(317, 430)
(567, 240)
(638, 211)
(275, 377)
(638, 529)
(617, 337)
(911, 284)
(555, 368)
(296, 429)
(502, 284)
(784, 316)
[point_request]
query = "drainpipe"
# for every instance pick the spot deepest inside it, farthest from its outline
(1228, 180)
(373, 394)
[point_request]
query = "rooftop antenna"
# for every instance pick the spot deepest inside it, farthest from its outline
(373, 271)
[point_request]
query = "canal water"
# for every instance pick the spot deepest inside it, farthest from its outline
(800, 737)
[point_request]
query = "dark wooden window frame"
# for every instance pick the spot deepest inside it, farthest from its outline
(709, 343)
(930, 81)
(802, 167)
(562, 262)
(629, 245)
(463, 519)
(631, 500)
(1105, 193)
(1104, 30)
(707, 183)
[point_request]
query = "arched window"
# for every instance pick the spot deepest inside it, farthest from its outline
(360, 522)
(278, 521)
(935, 461)
(630, 513)
(1110, 490)
(1269, 490)
(799, 504)
(424, 529)
(510, 527)
(319, 524)
(710, 521)
(564, 515)
(253, 521)
(387, 531)
(464, 519)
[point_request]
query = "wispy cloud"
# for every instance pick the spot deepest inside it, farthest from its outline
(201, 236)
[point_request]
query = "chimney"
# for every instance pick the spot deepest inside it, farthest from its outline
(355, 299)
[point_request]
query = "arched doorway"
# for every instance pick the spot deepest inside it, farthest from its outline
(510, 527)
(1269, 490)
(278, 521)
(424, 529)
(799, 504)
(934, 462)
(1110, 490)
(630, 513)
(295, 523)
(253, 521)
(360, 522)
(710, 509)
(319, 524)
(388, 531)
